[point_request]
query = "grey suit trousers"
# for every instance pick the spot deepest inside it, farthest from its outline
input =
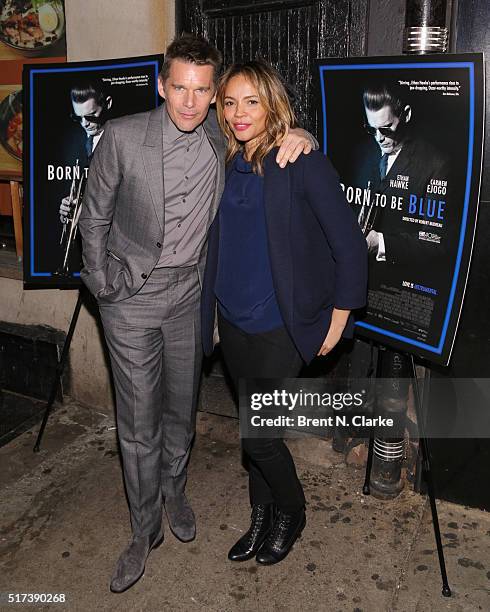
(155, 347)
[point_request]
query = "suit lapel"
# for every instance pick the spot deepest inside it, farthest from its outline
(216, 140)
(400, 166)
(152, 150)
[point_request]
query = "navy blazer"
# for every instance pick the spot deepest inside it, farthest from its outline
(317, 252)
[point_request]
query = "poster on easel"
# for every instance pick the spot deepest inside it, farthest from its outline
(67, 108)
(405, 135)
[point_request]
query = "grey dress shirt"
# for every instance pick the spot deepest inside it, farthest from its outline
(189, 177)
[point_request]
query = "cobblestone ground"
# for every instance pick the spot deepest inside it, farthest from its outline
(64, 521)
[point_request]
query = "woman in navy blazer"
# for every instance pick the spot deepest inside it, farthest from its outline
(286, 265)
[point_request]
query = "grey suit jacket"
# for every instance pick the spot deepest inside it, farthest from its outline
(122, 222)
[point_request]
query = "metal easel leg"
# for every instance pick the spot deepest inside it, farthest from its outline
(59, 370)
(369, 462)
(369, 465)
(427, 473)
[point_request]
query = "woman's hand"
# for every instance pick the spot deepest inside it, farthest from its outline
(295, 142)
(337, 325)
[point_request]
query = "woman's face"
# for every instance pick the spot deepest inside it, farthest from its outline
(243, 111)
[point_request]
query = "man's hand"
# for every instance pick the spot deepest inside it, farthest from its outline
(64, 210)
(337, 325)
(295, 142)
(372, 240)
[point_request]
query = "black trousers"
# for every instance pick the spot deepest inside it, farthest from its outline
(272, 473)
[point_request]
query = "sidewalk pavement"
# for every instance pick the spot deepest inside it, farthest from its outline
(64, 521)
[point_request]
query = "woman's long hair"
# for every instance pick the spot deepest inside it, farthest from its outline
(273, 97)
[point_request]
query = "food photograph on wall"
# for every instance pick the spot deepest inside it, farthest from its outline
(30, 31)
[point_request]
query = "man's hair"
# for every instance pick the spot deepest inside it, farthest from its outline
(87, 89)
(274, 98)
(378, 95)
(194, 50)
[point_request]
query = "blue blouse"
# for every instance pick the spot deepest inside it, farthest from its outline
(244, 288)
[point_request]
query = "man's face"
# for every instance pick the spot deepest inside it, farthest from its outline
(84, 111)
(188, 92)
(385, 119)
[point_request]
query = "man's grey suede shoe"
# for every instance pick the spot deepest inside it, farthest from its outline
(180, 518)
(131, 564)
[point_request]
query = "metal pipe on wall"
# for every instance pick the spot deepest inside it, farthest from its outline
(425, 32)
(425, 27)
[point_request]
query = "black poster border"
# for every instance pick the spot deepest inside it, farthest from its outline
(41, 279)
(439, 353)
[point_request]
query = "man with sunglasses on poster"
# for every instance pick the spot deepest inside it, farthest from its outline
(407, 216)
(90, 110)
(408, 179)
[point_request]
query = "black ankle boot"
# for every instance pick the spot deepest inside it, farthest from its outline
(248, 545)
(286, 530)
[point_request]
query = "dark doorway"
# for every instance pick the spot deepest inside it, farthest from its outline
(288, 33)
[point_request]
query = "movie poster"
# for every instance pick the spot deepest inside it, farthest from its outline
(67, 108)
(405, 134)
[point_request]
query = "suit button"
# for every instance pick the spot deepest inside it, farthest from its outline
(159, 245)
(144, 275)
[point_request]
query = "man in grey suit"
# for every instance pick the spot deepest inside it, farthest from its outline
(154, 185)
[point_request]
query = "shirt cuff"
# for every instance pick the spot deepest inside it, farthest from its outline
(381, 255)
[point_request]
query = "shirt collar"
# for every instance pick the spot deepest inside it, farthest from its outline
(171, 132)
(241, 165)
(96, 139)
